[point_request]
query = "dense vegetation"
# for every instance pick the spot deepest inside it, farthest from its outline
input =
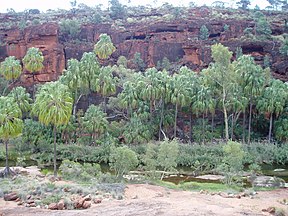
(231, 100)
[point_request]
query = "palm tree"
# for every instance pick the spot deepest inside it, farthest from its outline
(11, 124)
(273, 100)
(53, 105)
(179, 94)
(73, 79)
(11, 68)
(21, 98)
(95, 121)
(203, 102)
(105, 84)
(89, 71)
(33, 62)
(252, 79)
(104, 47)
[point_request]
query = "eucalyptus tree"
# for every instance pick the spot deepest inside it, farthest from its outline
(33, 62)
(105, 83)
(104, 47)
(95, 122)
(21, 98)
(10, 68)
(221, 74)
(53, 105)
(11, 124)
(252, 78)
(272, 101)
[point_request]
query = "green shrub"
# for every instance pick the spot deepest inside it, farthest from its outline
(167, 155)
(74, 170)
(71, 27)
(122, 160)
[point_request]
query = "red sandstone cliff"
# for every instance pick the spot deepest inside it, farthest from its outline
(177, 40)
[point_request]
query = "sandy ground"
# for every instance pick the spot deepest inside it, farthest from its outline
(149, 200)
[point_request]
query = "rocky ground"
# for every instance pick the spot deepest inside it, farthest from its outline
(143, 199)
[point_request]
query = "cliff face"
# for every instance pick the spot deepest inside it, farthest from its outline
(177, 40)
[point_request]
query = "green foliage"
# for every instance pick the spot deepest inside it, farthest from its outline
(95, 122)
(243, 4)
(150, 159)
(76, 171)
(70, 27)
(204, 33)
(167, 155)
(139, 62)
(11, 123)
(263, 27)
(284, 48)
(232, 162)
(21, 98)
(33, 60)
(281, 129)
(122, 60)
(117, 10)
(122, 160)
(104, 47)
(11, 68)
(53, 104)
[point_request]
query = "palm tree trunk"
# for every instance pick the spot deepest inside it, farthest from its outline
(7, 169)
(54, 160)
(270, 128)
(175, 120)
(105, 104)
(249, 123)
(190, 128)
(203, 128)
(33, 90)
(161, 118)
(225, 118)
(244, 126)
(212, 126)
(232, 126)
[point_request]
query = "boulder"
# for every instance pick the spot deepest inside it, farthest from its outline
(11, 196)
(268, 181)
(61, 204)
(97, 201)
(86, 204)
(53, 206)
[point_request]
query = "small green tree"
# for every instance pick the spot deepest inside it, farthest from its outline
(167, 155)
(150, 159)
(204, 33)
(33, 62)
(104, 47)
(122, 160)
(53, 105)
(284, 48)
(263, 27)
(232, 162)
(11, 124)
(139, 62)
(94, 121)
(70, 28)
(10, 68)
(21, 98)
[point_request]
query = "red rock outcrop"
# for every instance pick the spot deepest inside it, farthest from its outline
(176, 39)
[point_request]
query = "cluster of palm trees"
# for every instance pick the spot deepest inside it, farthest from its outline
(149, 102)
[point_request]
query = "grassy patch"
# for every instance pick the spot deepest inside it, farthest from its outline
(196, 186)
